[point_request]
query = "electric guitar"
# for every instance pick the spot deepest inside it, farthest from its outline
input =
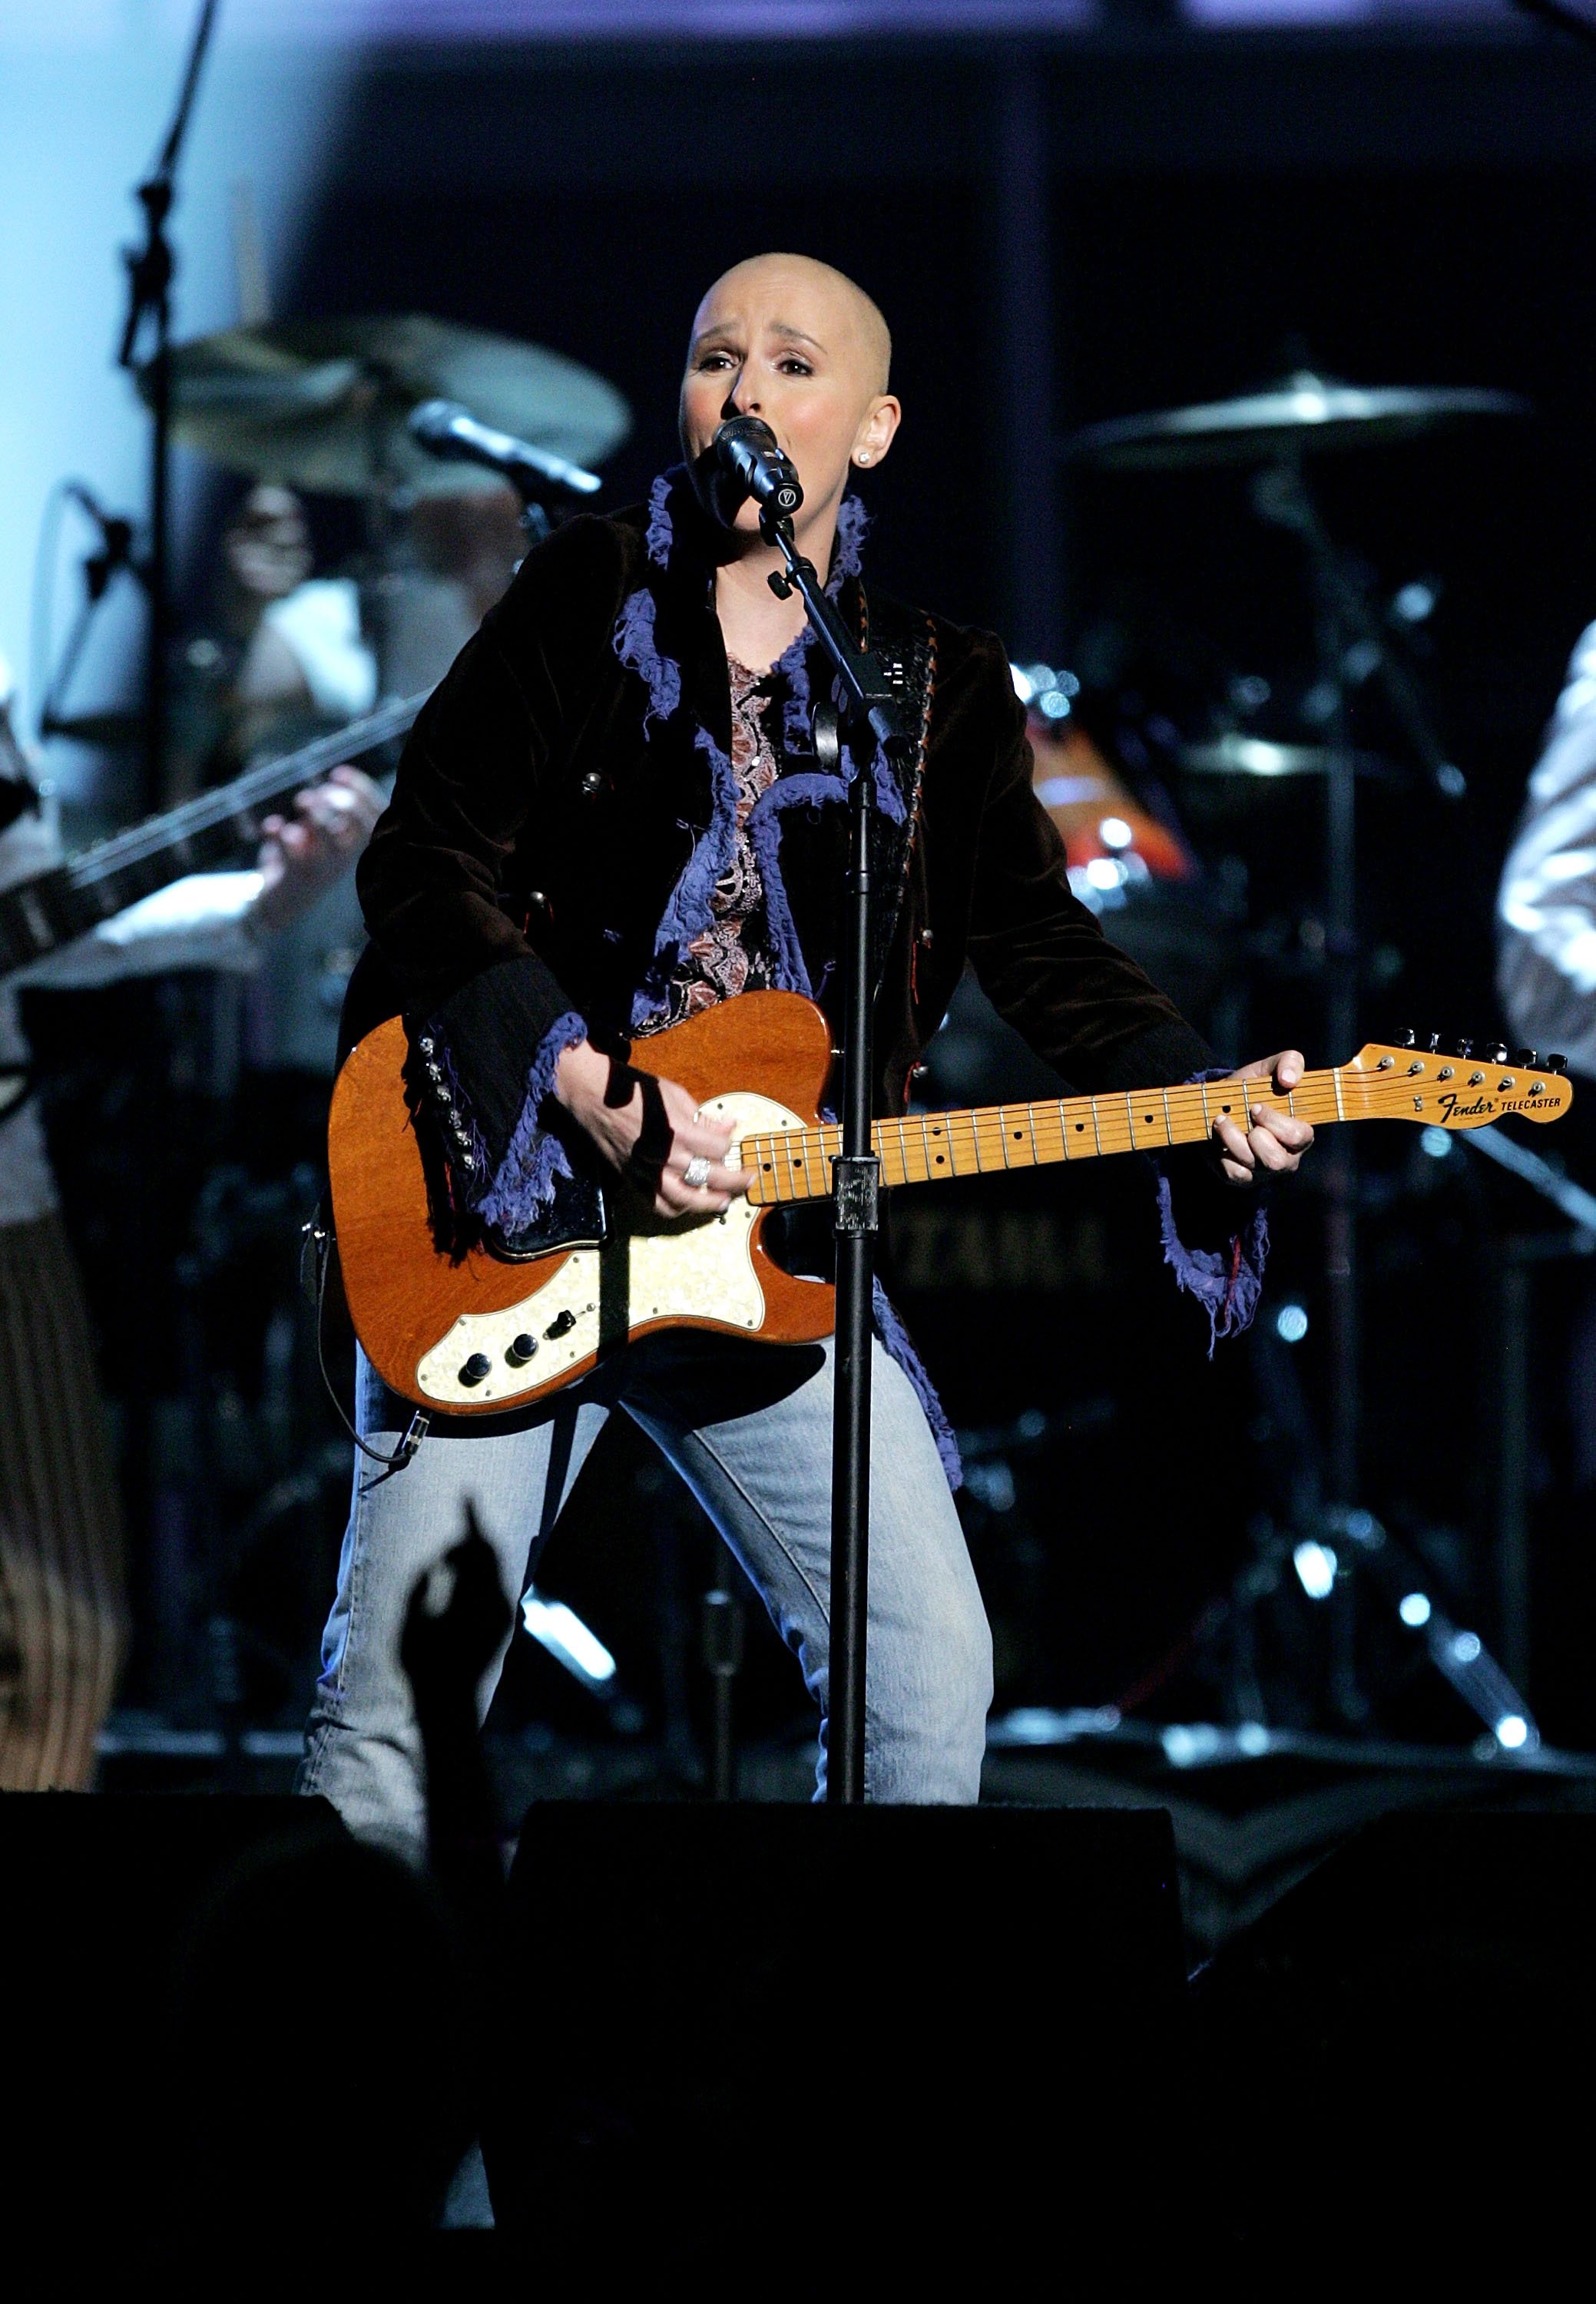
(48, 910)
(479, 1335)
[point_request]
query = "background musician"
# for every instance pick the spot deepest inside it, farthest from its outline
(61, 1610)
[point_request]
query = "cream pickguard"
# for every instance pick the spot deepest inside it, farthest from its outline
(597, 1296)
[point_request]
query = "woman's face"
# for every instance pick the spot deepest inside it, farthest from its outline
(791, 342)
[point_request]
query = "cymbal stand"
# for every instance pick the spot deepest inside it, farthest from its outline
(1351, 649)
(149, 312)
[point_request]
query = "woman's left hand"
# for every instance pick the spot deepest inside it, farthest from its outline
(1273, 1141)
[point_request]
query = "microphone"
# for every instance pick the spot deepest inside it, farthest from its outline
(746, 451)
(447, 430)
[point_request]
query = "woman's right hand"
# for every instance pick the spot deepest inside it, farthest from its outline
(647, 1131)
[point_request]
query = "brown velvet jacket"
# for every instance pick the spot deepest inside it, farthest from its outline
(545, 813)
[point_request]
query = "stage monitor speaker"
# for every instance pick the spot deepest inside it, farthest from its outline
(1404, 2047)
(793, 2028)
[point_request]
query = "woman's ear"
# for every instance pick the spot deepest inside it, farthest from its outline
(874, 437)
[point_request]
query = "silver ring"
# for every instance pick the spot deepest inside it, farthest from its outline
(696, 1172)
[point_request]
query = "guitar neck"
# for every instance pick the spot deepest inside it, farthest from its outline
(37, 916)
(795, 1164)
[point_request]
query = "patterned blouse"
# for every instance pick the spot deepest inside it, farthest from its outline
(733, 953)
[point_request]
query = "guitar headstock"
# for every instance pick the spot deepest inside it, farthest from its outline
(1454, 1083)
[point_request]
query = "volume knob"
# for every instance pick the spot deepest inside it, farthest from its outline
(476, 1368)
(520, 1350)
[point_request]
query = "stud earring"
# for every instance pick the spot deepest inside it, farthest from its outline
(864, 455)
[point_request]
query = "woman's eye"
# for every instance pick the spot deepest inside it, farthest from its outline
(715, 359)
(794, 366)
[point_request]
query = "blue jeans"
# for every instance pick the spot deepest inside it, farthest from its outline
(748, 1427)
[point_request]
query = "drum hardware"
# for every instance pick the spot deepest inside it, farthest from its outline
(1276, 431)
(149, 271)
(1304, 414)
(1237, 754)
(325, 406)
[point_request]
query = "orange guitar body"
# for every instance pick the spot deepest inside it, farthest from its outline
(406, 1298)
(480, 1335)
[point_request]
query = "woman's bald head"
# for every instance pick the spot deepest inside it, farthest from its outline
(812, 298)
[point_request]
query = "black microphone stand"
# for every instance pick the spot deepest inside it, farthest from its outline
(869, 701)
(150, 283)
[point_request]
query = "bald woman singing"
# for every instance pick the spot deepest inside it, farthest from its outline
(606, 820)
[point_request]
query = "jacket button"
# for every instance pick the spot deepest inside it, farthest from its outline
(593, 783)
(926, 939)
(918, 1071)
(535, 896)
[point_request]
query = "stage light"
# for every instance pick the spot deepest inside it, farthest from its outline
(1436, 1142)
(561, 1631)
(1105, 872)
(1114, 832)
(1053, 703)
(1512, 1732)
(1188, 1747)
(1466, 1648)
(1414, 1608)
(1253, 1738)
(1315, 1565)
(1291, 1324)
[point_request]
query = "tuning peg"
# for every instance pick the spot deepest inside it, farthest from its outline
(1409, 1039)
(1464, 1049)
(1555, 1065)
(1497, 1052)
(1525, 1059)
(1434, 1044)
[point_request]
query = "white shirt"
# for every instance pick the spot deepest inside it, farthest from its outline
(1546, 905)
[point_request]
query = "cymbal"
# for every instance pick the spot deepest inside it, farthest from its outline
(321, 404)
(1235, 755)
(1303, 414)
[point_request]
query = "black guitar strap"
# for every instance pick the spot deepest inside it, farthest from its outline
(904, 641)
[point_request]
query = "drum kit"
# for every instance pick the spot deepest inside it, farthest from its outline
(1131, 861)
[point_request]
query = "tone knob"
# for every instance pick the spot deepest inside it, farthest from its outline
(560, 1326)
(476, 1368)
(521, 1349)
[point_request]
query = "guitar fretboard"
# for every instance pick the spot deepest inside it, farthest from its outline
(795, 1164)
(39, 915)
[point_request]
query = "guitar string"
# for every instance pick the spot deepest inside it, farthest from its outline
(266, 782)
(1320, 1096)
